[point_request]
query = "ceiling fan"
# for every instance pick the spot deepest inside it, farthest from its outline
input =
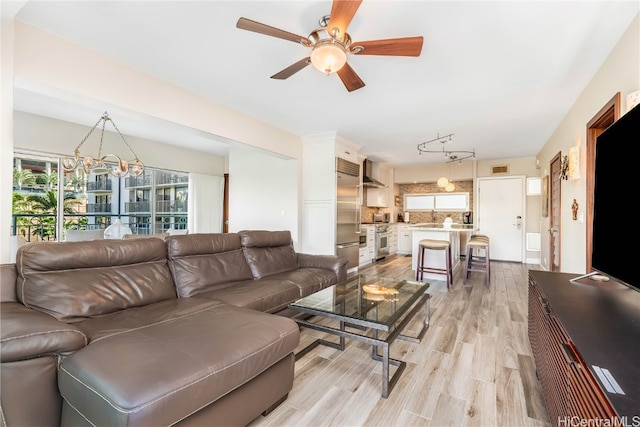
(330, 44)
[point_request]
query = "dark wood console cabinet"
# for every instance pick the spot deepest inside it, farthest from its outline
(585, 337)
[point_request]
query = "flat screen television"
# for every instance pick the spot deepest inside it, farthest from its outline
(616, 230)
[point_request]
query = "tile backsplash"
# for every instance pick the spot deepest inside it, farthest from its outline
(367, 212)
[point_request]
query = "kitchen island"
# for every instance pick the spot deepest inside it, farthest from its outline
(453, 233)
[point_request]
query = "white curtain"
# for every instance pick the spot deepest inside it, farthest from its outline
(206, 194)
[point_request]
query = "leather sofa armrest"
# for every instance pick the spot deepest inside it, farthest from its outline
(337, 263)
(27, 333)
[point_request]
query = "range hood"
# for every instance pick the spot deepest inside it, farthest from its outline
(367, 176)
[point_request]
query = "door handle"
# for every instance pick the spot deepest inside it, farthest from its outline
(347, 245)
(518, 223)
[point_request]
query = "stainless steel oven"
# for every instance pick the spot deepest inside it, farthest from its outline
(382, 241)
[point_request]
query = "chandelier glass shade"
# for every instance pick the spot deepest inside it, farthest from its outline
(104, 163)
(328, 51)
(328, 56)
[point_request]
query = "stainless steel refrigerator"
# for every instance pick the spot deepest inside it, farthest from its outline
(348, 210)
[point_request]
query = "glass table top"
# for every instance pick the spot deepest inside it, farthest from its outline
(376, 300)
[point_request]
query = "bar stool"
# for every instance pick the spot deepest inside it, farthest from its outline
(434, 245)
(474, 261)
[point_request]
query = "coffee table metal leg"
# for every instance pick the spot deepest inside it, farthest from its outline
(387, 383)
(425, 326)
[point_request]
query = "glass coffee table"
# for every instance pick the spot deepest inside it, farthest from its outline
(376, 309)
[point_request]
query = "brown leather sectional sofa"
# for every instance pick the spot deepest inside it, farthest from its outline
(153, 332)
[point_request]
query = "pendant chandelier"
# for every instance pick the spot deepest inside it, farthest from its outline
(101, 164)
(449, 157)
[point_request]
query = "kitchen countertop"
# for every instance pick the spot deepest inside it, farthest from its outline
(429, 226)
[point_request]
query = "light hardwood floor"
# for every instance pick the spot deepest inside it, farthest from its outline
(474, 366)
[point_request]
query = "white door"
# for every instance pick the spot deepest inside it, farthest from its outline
(500, 216)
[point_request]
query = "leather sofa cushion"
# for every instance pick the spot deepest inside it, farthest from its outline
(75, 280)
(204, 262)
(8, 277)
(160, 374)
(268, 252)
(308, 280)
(269, 296)
(106, 326)
(28, 334)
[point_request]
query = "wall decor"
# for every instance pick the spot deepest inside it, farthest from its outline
(545, 196)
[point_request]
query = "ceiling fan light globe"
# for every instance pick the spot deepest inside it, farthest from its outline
(328, 57)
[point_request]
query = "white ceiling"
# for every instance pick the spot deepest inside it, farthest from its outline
(499, 75)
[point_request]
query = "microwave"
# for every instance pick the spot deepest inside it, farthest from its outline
(381, 217)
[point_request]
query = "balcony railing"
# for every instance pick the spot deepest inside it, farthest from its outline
(171, 206)
(44, 227)
(94, 186)
(165, 178)
(99, 207)
(133, 207)
(137, 181)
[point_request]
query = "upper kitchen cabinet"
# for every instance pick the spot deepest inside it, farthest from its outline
(377, 197)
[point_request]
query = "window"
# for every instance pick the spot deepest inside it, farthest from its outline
(419, 202)
(151, 203)
(437, 202)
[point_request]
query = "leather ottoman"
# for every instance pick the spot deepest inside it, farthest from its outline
(162, 373)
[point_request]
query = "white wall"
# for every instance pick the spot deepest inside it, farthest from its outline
(63, 68)
(263, 192)
(619, 73)
(6, 133)
(53, 66)
(44, 134)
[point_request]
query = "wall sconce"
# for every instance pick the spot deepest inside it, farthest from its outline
(570, 164)
(573, 170)
(633, 99)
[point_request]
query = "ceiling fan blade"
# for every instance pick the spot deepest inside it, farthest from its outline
(349, 77)
(257, 27)
(292, 69)
(406, 46)
(342, 12)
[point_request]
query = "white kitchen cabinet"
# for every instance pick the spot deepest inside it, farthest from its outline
(377, 197)
(404, 239)
(319, 190)
(365, 258)
(393, 239)
(319, 217)
(367, 253)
